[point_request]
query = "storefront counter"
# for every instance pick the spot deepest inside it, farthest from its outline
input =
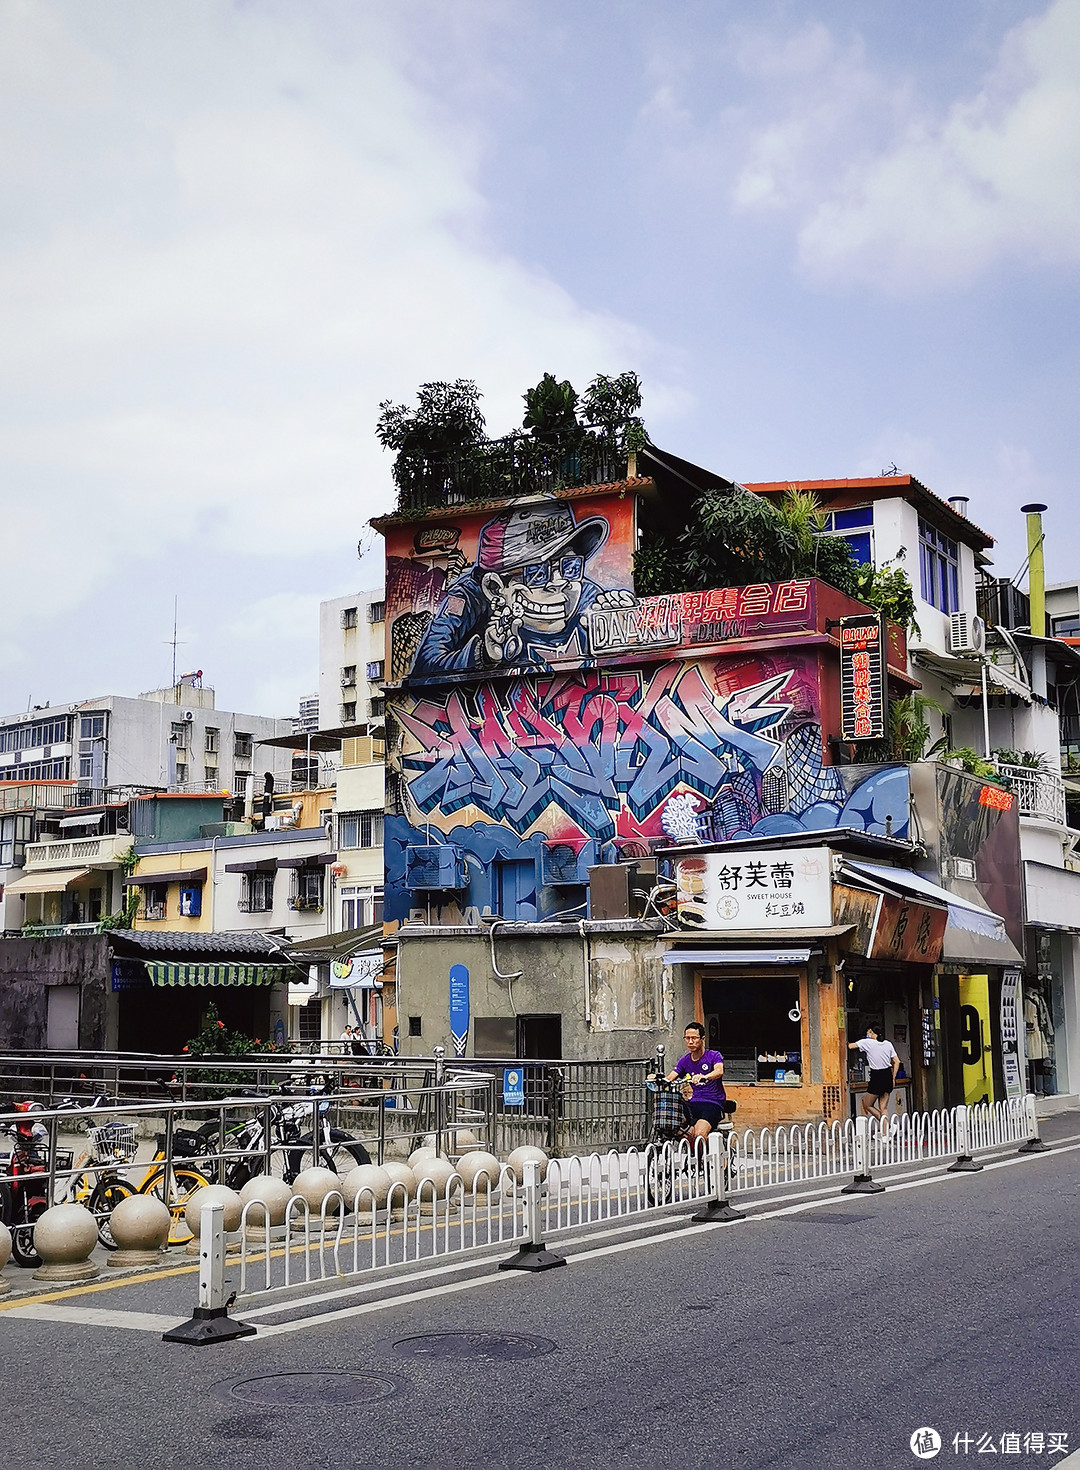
(899, 1098)
(773, 1104)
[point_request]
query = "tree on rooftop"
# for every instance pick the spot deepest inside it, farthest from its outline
(445, 426)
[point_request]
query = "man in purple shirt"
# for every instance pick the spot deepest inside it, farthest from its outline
(704, 1070)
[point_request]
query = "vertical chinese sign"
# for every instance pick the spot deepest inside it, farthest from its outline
(862, 677)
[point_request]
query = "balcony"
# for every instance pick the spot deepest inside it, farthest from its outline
(54, 931)
(67, 852)
(1040, 795)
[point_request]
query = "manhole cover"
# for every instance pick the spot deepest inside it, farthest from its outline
(492, 1347)
(307, 1390)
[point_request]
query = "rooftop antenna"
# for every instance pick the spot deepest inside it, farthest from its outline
(174, 641)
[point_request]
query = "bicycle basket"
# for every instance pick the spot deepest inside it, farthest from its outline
(668, 1108)
(112, 1143)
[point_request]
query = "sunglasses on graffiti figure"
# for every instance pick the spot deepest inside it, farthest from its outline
(541, 573)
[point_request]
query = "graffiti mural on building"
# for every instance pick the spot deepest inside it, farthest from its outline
(504, 591)
(708, 750)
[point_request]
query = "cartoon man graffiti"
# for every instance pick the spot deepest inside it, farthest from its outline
(524, 601)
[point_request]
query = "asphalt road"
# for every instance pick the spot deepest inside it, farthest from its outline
(806, 1341)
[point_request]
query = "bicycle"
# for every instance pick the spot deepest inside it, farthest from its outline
(272, 1139)
(669, 1166)
(24, 1195)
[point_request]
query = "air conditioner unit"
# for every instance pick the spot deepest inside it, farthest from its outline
(440, 866)
(188, 716)
(967, 633)
(564, 863)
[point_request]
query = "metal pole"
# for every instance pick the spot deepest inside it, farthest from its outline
(985, 711)
(532, 1255)
(718, 1206)
(439, 1053)
(965, 1164)
(210, 1321)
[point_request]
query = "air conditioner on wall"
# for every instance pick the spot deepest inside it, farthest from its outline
(440, 866)
(565, 863)
(967, 633)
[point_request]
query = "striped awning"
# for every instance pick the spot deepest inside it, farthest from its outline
(220, 974)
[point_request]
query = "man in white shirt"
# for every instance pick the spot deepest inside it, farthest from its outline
(883, 1064)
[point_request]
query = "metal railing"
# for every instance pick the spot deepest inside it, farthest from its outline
(501, 468)
(369, 1233)
(1039, 794)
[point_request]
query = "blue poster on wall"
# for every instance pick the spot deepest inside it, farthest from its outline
(459, 1008)
(513, 1087)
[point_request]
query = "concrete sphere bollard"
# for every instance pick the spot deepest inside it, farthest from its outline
(64, 1236)
(316, 1186)
(140, 1226)
(436, 1180)
(402, 1187)
(463, 1140)
(193, 1214)
(421, 1156)
(269, 1199)
(368, 1181)
(5, 1256)
(527, 1152)
(480, 1172)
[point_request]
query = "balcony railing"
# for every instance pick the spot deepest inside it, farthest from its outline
(67, 851)
(1039, 794)
(501, 468)
(54, 931)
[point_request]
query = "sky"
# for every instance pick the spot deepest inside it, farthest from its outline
(830, 236)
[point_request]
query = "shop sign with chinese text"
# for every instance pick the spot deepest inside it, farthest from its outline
(863, 704)
(757, 888)
(909, 931)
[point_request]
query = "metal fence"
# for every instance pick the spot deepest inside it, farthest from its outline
(347, 1237)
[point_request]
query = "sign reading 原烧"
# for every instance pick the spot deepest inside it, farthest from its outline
(863, 688)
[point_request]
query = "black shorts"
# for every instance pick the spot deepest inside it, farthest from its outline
(708, 1112)
(880, 1083)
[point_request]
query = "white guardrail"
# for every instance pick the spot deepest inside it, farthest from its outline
(356, 1237)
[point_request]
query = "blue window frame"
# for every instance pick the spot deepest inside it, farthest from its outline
(846, 524)
(939, 568)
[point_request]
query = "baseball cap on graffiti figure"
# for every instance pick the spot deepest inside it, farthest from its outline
(536, 533)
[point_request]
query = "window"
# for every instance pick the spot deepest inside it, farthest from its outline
(376, 612)
(348, 617)
(92, 727)
(416, 1025)
(848, 524)
(181, 773)
(31, 737)
(243, 746)
(1067, 626)
(52, 770)
(939, 568)
(86, 767)
(190, 903)
(210, 743)
(348, 713)
(309, 1026)
(256, 893)
(348, 676)
(361, 829)
(179, 732)
(154, 896)
(376, 669)
(361, 907)
(95, 905)
(14, 835)
(307, 889)
(376, 708)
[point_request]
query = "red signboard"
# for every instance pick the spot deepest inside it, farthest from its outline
(862, 677)
(909, 931)
(996, 797)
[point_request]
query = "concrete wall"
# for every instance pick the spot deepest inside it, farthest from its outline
(634, 1001)
(30, 967)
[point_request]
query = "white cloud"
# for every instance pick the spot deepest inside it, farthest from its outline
(234, 235)
(889, 190)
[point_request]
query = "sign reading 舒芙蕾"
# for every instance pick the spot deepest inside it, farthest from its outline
(755, 888)
(862, 677)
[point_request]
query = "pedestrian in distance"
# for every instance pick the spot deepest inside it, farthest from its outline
(883, 1064)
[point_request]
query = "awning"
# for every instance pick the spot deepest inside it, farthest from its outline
(741, 957)
(264, 865)
(974, 934)
(164, 974)
(94, 820)
(334, 946)
(180, 875)
(317, 860)
(54, 882)
(303, 991)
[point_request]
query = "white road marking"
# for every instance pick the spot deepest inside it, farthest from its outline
(93, 1316)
